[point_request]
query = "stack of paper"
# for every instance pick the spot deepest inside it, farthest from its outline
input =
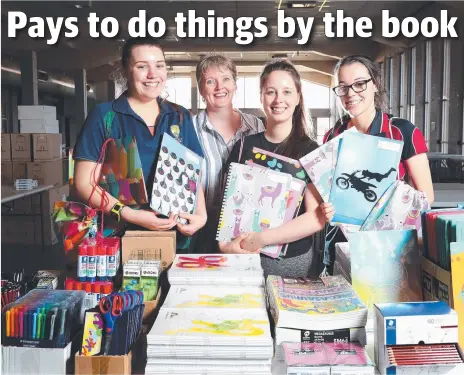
(213, 334)
(326, 359)
(219, 328)
(224, 269)
(342, 264)
(329, 306)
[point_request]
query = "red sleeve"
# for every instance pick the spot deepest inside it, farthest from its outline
(418, 142)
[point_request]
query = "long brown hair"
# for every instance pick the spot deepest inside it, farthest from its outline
(290, 147)
(381, 96)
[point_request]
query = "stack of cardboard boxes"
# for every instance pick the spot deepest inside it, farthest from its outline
(35, 153)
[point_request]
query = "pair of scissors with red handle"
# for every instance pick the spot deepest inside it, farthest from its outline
(204, 261)
(111, 307)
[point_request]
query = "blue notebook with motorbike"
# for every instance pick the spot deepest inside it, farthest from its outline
(366, 166)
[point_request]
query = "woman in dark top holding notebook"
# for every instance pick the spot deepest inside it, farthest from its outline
(285, 134)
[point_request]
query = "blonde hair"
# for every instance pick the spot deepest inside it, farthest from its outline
(215, 60)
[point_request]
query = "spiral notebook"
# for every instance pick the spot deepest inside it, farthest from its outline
(255, 199)
(176, 179)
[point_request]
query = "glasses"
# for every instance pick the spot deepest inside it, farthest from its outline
(358, 86)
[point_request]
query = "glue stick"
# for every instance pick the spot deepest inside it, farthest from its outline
(82, 262)
(91, 263)
(101, 263)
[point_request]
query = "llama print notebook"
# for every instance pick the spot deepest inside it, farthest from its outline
(385, 266)
(276, 162)
(255, 199)
(320, 165)
(176, 179)
(366, 167)
(122, 174)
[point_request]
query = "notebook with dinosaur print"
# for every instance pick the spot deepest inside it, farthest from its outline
(255, 199)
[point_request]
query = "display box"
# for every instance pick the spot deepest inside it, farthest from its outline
(21, 147)
(6, 147)
(46, 146)
(149, 245)
(36, 112)
(436, 282)
(31, 361)
(414, 323)
(104, 365)
(7, 173)
(46, 172)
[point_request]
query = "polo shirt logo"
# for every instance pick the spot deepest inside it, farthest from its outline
(175, 130)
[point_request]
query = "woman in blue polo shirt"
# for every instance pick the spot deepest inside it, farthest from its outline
(362, 96)
(139, 112)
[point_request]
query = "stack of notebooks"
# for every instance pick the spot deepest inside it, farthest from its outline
(224, 269)
(219, 328)
(439, 229)
(327, 359)
(351, 180)
(342, 264)
(325, 310)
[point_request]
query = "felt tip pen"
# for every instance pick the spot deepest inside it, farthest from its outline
(34, 325)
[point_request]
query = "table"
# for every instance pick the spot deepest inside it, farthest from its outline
(10, 194)
(448, 195)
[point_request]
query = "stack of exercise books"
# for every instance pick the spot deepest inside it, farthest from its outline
(324, 310)
(342, 264)
(327, 359)
(215, 329)
(224, 269)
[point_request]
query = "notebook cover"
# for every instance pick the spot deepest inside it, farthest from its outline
(255, 199)
(176, 179)
(320, 164)
(366, 166)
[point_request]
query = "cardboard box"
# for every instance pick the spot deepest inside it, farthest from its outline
(35, 112)
(31, 361)
(46, 172)
(44, 125)
(148, 245)
(114, 365)
(6, 147)
(21, 147)
(7, 173)
(436, 283)
(19, 170)
(151, 306)
(46, 146)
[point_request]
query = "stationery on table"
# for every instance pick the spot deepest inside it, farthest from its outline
(176, 179)
(42, 318)
(114, 326)
(361, 178)
(255, 199)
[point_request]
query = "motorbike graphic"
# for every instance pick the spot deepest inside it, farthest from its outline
(355, 182)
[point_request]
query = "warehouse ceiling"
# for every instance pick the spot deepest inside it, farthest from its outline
(101, 56)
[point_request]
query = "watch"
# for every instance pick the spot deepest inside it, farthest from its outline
(116, 211)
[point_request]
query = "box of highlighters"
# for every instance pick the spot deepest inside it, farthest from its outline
(42, 318)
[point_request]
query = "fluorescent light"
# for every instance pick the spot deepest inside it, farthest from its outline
(301, 4)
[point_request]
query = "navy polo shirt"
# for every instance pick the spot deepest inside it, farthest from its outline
(122, 121)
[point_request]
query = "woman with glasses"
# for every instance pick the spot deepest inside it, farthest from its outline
(363, 98)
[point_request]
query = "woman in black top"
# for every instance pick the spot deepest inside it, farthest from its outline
(285, 134)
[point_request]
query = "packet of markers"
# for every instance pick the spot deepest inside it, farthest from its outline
(43, 319)
(114, 325)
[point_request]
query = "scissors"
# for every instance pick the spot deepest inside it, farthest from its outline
(204, 261)
(111, 308)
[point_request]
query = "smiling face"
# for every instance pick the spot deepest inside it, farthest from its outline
(357, 103)
(279, 96)
(217, 87)
(146, 73)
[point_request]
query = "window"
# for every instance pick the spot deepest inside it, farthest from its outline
(322, 127)
(179, 91)
(315, 96)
